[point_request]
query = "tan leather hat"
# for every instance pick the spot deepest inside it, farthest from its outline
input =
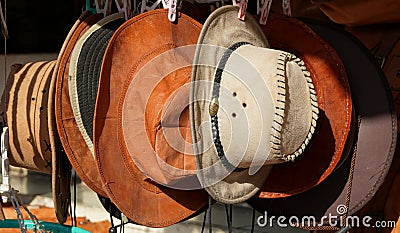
(236, 147)
(27, 109)
(138, 134)
(71, 138)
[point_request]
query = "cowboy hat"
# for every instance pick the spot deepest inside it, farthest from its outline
(355, 182)
(71, 138)
(257, 127)
(27, 110)
(139, 113)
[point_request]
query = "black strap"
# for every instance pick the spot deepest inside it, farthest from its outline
(215, 96)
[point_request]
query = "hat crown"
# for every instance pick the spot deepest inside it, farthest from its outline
(266, 101)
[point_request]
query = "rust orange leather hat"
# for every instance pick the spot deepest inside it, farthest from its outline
(141, 128)
(334, 131)
(27, 109)
(351, 185)
(71, 138)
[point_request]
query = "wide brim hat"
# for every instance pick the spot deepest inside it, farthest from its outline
(223, 29)
(70, 136)
(138, 110)
(359, 177)
(27, 109)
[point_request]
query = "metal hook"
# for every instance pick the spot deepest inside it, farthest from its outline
(286, 7)
(242, 4)
(103, 7)
(124, 6)
(145, 7)
(263, 8)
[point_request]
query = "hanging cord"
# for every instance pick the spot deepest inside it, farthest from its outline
(229, 217)
(253, 218)
(209, 214)
(72, 206)
(209, 217)
(75, 221)
(204, 220)
(122, 226)
(70, 213)
(113, 228)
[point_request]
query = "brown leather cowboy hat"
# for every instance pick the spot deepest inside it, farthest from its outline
(27, 110)
(71, 138)
(138, 111)
(355, 182)
(333, 125)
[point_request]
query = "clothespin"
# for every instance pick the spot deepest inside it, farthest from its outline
(172, 10)
(135, 8)
(103, 7)
(286, 7)
(145, 6)
(242, 4)
(172, 6)
(4, 28)
(124, 6)
(263, 8)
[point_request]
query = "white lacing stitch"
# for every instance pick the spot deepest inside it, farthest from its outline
(314, 109)
(280, 106)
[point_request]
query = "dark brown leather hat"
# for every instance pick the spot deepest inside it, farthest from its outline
(346, 191)
(142, 74)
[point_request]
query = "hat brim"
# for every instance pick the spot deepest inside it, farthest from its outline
(376, 139)
(60, 164)
(71, 138)
(132, 46)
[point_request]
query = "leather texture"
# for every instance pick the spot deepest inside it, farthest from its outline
(383, 43)
(27, 109)
(71, 139)
(132, 50)
(376, 139)
(360, 12)
(334, 102)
